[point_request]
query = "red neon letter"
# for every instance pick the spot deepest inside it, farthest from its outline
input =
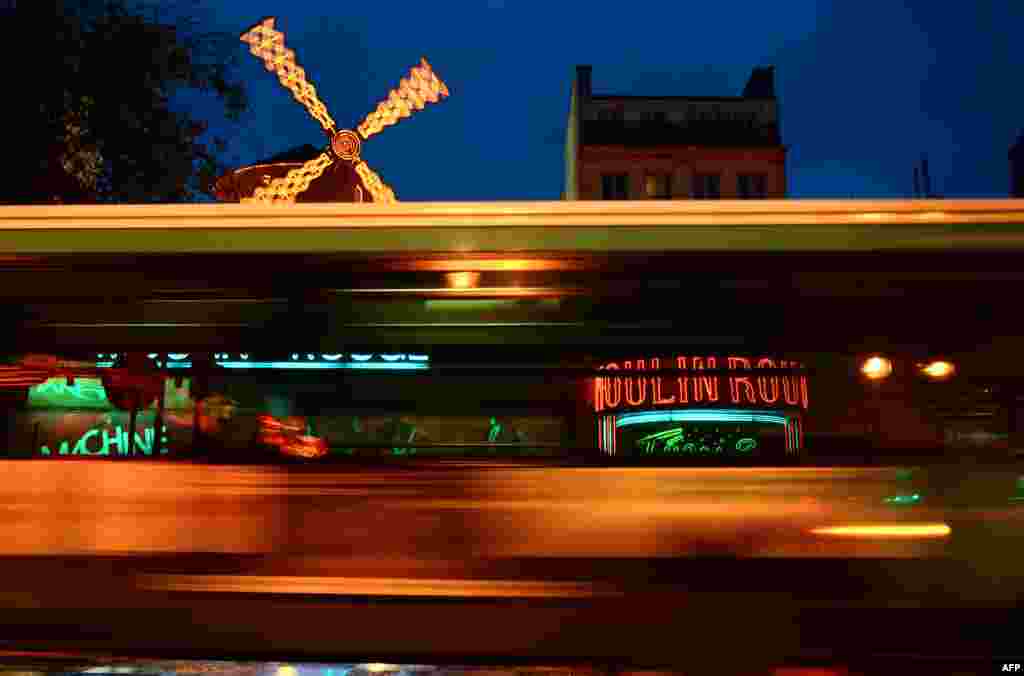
(599, 393)
(612, 385)
(705, 385)
(736, 381)
(803, 391)
(790, 386)
(641, 383)
(656, 386)
(764, 383)
(683, 382)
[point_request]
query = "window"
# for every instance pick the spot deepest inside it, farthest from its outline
(614, 186)
(706, 187)
(658, 186)
(610, 115)
(752, 186)
(659, 117)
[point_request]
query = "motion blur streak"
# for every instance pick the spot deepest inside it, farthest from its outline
(75, 507)
(441, 519)
(339, 586)
(925, 530)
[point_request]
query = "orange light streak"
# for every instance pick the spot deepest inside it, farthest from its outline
(384, 586)
(922, 530)
(287, 436)
(494, 265)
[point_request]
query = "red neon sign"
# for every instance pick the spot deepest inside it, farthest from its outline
(741, 387)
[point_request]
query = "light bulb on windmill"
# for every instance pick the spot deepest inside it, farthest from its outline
(420, 87)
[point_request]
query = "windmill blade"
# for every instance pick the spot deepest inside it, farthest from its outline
(413, 93)
(268, 44)
(379, 190)
(292, 184)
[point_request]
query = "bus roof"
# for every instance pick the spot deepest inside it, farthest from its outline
(600, 227)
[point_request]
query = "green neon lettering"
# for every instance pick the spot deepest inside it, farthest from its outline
(107, 441)
(142, 442)
(746, 444)
(82, 446)
(64, 449)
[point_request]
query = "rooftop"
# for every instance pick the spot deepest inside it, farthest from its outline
(760, 85)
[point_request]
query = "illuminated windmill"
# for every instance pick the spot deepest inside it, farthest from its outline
(342, 153)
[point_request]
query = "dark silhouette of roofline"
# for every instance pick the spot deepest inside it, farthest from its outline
(595, 97)
(760, 87)
(302, 153)
(1017, 149)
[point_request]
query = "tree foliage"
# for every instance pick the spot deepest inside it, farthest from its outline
(96, 80)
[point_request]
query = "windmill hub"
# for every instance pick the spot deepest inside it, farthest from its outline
(346, 145)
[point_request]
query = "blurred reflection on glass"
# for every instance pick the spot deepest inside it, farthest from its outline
(289, 436)
(214, 412)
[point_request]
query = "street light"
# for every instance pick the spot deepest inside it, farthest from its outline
(876, 368)
(463, 280)
(938, 369)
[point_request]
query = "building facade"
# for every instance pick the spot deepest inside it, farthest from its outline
(675, 147)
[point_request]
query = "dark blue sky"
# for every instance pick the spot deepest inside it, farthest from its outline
(865, 86)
